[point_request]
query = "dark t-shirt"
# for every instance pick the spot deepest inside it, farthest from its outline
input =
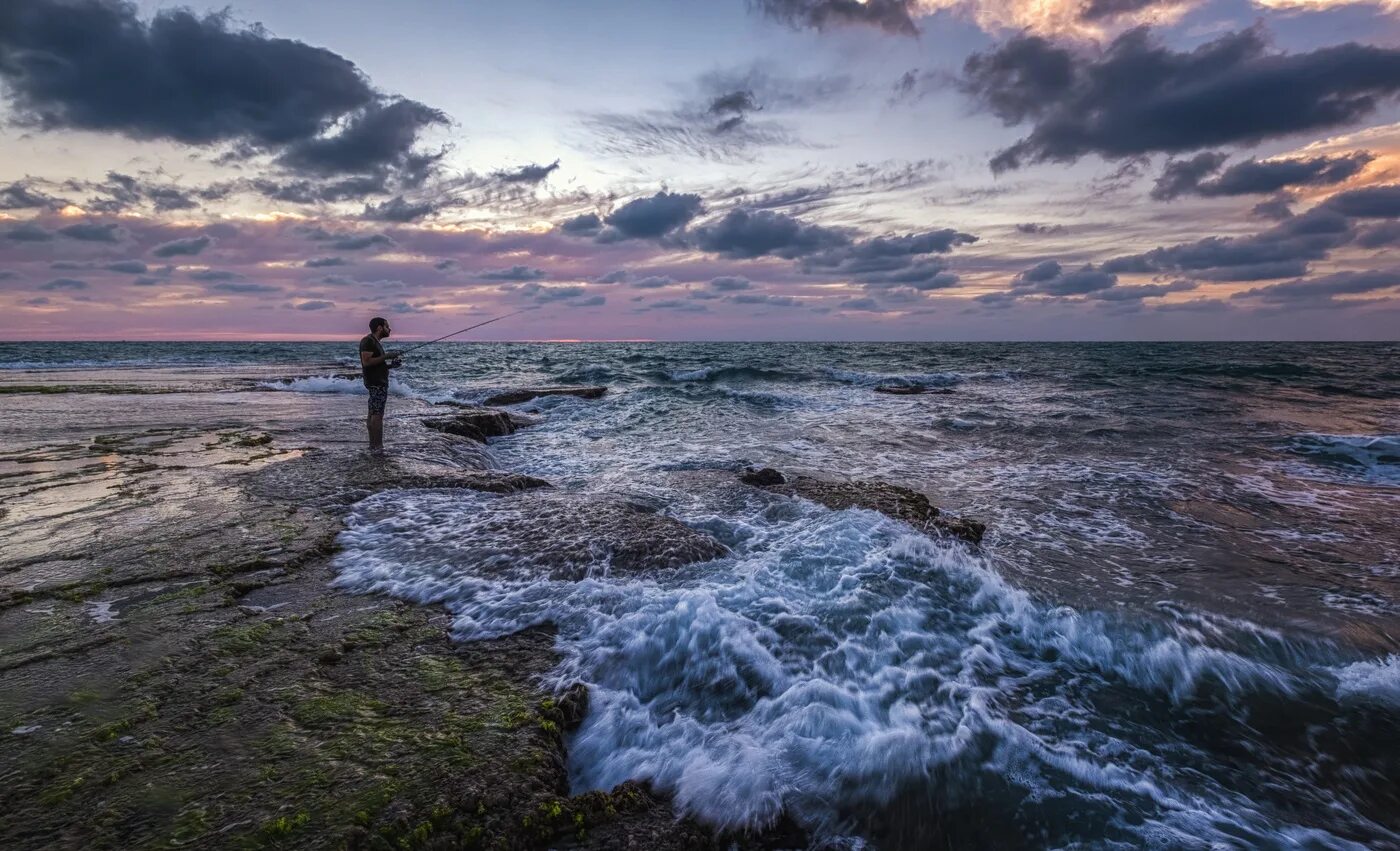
(377, 375)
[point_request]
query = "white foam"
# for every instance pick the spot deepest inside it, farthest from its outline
(353, 387)
(1377, 681)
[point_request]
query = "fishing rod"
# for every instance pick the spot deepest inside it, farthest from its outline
(455, 333)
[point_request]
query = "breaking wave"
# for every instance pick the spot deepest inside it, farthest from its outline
(1375, 458)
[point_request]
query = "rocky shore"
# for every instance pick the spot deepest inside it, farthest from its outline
(177, 671)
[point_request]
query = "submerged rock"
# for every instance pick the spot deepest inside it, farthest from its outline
(895, 501)
(474, 424)
(525, 394)
(762, 478)
(572, 536)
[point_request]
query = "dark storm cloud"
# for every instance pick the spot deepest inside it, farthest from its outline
(528, 174)
(93, 232)
(745, 234)
(649, 218)
(64, 284)
(1372, 202)
(1253, 177)
(377, 137)
(894, 16)
(1137, 97)
(1277, 208)
(1052, 279)
(183, 247)
(28, 232)
(92, 65)
(1324, 287)
(1279, 252)
(95, 65)
(322, 262)
(514, 273)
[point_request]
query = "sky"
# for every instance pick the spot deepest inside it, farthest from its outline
(701, 169)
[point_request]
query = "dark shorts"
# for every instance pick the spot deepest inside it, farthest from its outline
(378, 398)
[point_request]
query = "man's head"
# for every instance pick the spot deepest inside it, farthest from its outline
(379, 327)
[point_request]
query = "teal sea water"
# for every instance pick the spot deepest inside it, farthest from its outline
(1183, 629)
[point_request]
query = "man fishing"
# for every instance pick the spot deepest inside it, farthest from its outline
(376, 363)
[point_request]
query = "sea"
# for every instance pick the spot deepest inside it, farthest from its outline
(1182, 629)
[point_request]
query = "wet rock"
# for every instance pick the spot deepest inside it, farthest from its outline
(525, 394)
(337, 479)
(762, 478)
(913, 390)
(572, 536)
(895, 501)
(474, 424)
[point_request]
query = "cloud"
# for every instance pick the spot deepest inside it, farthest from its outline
(28, 232)
(322, 262)
(1371, 202)
(1380, 235)
(63, 284)
(1137, 293)
(745, 234)
(678, 305)
(729, 283)
(1037, 229)
(401, 210)
(514, 273)
(616, 276)
(1137, 97)
(653, 282)
(649, 218)
(895, 16)
(93, 232)
(207, 275)
(95, 65)
(1281, 251)
(864, 304)
(359, 242)
(21, 196)
(527, 174)
(377, 137)
(591, 301)
(1051, 279)
(37, 301)
(128, 266)
(315, 305)
(764, 299)
(1254, 177)
(237, 288)
(1324, 287)
(183, 247)
(587, 224)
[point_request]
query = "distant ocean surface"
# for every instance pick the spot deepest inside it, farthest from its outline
(1182, 630)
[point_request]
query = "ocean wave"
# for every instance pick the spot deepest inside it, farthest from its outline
(732, 373)
(874, 379)
(355, 387)
(837, 660)
(1373, 457)
(586, 372)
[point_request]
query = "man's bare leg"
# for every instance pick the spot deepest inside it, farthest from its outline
(376, 431)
